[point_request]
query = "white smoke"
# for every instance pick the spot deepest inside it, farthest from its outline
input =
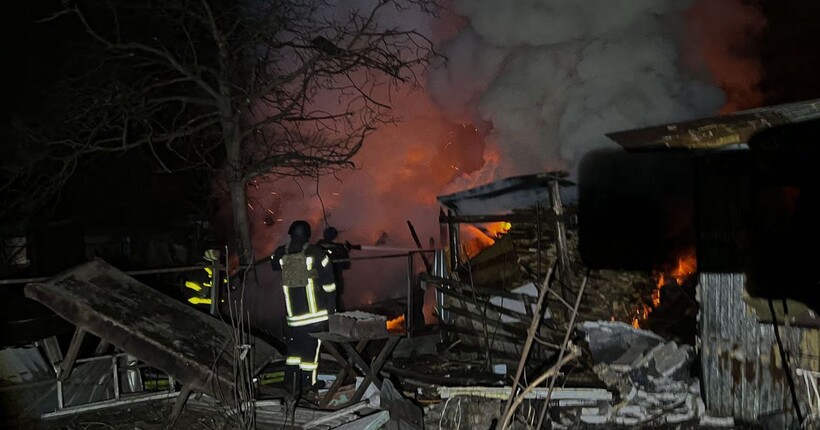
(553, 76)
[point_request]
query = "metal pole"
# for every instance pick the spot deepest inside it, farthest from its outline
(404, 251)
(116, 376)
(216, 282)
(394, 249)
(452, 229)
(129, 272)
(408, 320)
(59, 395)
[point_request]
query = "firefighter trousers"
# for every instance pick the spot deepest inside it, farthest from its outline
(302, 360)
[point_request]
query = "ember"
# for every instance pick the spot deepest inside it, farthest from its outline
(396, 324)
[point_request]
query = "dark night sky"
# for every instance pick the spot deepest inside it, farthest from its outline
(35, 55)
(788, 50)
(132, 192)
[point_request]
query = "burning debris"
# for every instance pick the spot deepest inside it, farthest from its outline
(526, 334)
(514, 306)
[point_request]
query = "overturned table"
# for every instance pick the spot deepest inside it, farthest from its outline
(332, 341)
(196, 349)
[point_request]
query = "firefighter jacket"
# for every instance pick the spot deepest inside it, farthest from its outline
(308, 284)
(197, 286)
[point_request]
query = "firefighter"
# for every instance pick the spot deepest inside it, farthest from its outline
(198, 287)
(339, 255)
(309, 289)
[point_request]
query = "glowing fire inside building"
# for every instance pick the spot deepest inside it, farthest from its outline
(676, 275)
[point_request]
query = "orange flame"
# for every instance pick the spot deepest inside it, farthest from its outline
(498, 228)
(685, 267)
(396, 324)
(482, 236)
(477, 240)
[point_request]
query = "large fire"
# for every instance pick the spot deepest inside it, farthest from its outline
(677, 273)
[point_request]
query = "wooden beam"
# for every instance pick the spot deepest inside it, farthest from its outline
(71, 356)
(478, 219)
(516, 331)
(182, 399)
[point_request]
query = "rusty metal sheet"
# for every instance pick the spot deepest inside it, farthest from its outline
(743, 375)
(193, 347)
(505, 194)
(716, 132)
(710, 133)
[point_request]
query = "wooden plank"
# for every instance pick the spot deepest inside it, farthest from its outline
(509, 328)
(463, 331)
(482, 291)
(192, 346)
(499, 309)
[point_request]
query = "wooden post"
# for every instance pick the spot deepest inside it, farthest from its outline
(525, 352)
(71, 356)
(452, 231)
(561, 247)
(564, 345)
(101, 347)
(179, 404)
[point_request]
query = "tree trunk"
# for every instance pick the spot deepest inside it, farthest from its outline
(241, 225)
(238, 189)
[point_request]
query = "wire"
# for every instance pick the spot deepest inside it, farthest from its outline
(443, 411)
(458, 414)
(785, 360)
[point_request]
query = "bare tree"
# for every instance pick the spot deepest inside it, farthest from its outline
(249, 89)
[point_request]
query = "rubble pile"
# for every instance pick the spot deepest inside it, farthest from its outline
(651, 377)
(499, 287)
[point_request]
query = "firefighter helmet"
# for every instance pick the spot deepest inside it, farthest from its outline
(300, 229)
(330, 234)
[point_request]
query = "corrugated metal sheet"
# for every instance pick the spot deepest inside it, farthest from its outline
(743, 375)
(717, 132)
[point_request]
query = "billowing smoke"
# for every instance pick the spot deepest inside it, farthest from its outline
(399, 174)
(553, 76)
(528, 86)
(719, 46)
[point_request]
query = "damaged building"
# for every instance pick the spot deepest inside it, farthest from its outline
(672, 284)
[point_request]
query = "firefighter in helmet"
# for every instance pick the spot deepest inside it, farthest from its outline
(310, 292)
(339, 254)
